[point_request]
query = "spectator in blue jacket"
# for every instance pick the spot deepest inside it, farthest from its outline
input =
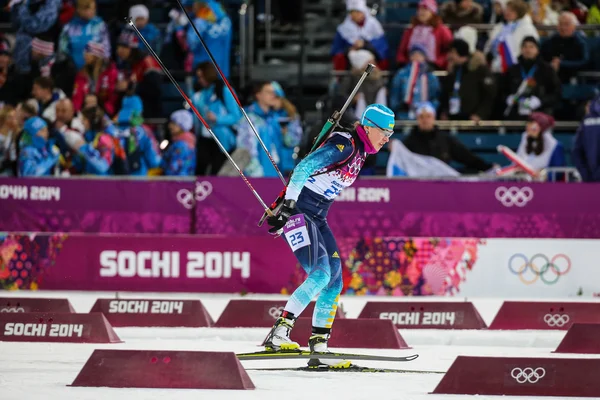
(291, 130)
(216, 104)
(414, 84)
(215, 27)
(85, 27)
(267, 125)
(179, 159)
(586, 151)
(38, 156)
(31, 18)
(140, 15)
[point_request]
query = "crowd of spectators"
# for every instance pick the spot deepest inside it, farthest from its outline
(76, 91)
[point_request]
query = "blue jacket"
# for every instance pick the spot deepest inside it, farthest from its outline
(36, 157)
(227, 111)
(217, 36)
(141, 153)
(399, 87)
(290, 137)
(586, 151)
(76, 35)
(179, 159)
(267, 126)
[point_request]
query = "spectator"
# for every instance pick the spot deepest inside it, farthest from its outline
(426, 139)
(593, 17)
(291, 129)
(504, 45)
(538, 147)
(414, 84)
(85, 27)
(577, 8)
(427, 30)
(65, 117)
(98, 75)
(468, 91)
(373, 88)
(267, 126)
(142, 74)
(179, 158)
(176, 41)
(469, 35)
(462, 12)
(38, 155)
(47, 96)
(215, 27)
(11, 87)
(30, 18)
(96, 150)
(9, 128)
(142, 154)
(140, 15)
(219, 108)
(566, 51)
(543, 13)
(586, 151)
(531, 85)
(497, 15)
(359, 34)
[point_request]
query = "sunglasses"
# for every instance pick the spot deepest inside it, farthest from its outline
(386, 132)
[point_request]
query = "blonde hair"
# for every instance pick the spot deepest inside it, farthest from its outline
(4, 112)
(291, 109)
(519, 7)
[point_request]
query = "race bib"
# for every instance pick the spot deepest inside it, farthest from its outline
(454, 105)
(296, 233)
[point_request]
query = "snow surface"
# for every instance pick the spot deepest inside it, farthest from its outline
(43, 370)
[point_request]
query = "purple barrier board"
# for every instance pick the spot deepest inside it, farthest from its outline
(34, 304)
(56, 327)
(370, 208)
(143, 312)
(425, 315)
(504, 376)
(581, 339)
(515, 315)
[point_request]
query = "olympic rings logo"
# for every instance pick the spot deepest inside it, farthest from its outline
(548, 270)
(12, 309)
(556, 320)
(514, 196)
(201, 192)
(528, 375)
(275, 312)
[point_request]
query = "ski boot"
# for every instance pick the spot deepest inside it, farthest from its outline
(318, 344)
(279, 337)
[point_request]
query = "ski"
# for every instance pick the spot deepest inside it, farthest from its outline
(353, 368)
(300, 354)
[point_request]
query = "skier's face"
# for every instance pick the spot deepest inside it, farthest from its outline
(377, 137)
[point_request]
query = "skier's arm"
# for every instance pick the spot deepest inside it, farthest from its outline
(335, 150)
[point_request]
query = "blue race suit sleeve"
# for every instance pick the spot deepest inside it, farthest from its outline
(97, 163)
(335, 150)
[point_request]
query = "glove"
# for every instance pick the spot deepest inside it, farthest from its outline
(278, 222)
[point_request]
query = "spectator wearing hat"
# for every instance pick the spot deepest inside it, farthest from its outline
(47, 96)
(428, 31)
(98, 75)
(426, 139)
(179, 158)
(504, 44)
(214, 26)
(359, 36)
(38, 156)
(85, 27)
(140, 15)
(468, 90)
(139, 74)
(414, 84)
(31, 18)
(531, 85)
(461, 12)
(586, 150)
(567, 50)
(538, 146)
(218, 106)
(290, 125)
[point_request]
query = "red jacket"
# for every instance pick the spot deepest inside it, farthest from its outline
(441, 35)
(105, 89)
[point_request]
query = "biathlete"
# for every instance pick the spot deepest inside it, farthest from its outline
(315, 182)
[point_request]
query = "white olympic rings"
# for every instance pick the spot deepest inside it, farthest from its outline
(514, 196)
(528, 375)
(201, 192)
(558, 320)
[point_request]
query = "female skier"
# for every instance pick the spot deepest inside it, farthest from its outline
(314, 184)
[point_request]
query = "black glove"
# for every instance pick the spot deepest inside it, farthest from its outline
(278, 222)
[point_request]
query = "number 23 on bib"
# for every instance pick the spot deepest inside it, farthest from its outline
(296, 233)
